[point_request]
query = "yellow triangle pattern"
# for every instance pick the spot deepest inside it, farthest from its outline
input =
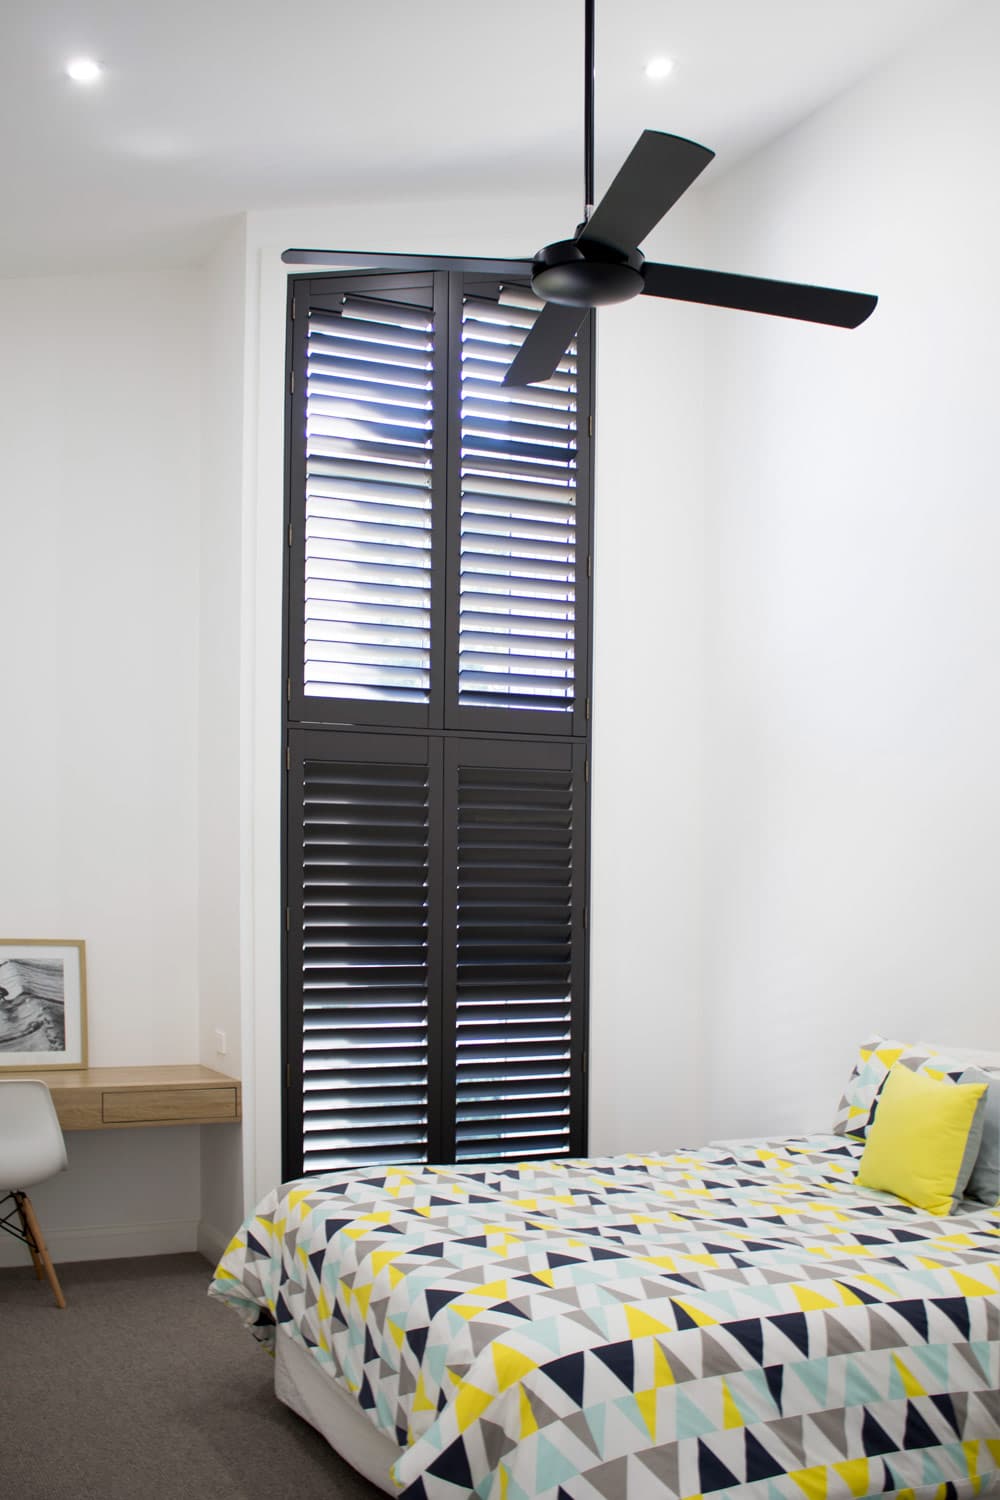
(810, 1300)
(855, 1475)
(911, 1385)
(969, 1287)
(421, 1400)
(731, 1414)
(662, 1373)
(510, 1365)
(812, 1481)
(646, 1402)
(642, 1324)
(469, 1404)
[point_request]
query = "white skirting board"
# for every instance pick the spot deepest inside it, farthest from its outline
(212, 1242)
(107, 1242)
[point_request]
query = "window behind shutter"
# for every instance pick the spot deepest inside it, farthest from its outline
(367, 472)
(362, 965)
(518, 626)
(514, 961)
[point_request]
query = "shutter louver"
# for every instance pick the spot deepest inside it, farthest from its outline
(517, 549)
(368, 459)
(514, 1013)
(364, 963)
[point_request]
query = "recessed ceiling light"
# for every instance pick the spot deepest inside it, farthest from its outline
(659, 67)
(83, 70)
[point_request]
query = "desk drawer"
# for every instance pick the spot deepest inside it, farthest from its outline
(175, 1106)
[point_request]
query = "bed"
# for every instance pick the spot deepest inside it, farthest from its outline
(743, 1320)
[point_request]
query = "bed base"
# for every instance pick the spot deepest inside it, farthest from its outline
(301, 1384)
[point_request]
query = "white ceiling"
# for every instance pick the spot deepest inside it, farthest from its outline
(209, 108)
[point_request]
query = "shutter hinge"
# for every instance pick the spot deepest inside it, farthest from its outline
(586, 703)
(590, 424)
(585, 919)
(293, 309)
(288, 919)
(586, 769)
(288, 1075)
(292, 383)
(288, 690)
(583, 1063)
(289, 533)
(288, 757)
(590, 565)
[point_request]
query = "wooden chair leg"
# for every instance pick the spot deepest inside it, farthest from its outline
(35, 1257)
(43, 1250)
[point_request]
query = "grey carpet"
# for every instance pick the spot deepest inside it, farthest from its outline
(143, 1389)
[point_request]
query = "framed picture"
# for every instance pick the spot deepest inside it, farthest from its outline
(43, 1004)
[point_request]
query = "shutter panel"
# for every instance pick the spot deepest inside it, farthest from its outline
(361, 964)
(521, 552)
(366, 480)
(514, 963)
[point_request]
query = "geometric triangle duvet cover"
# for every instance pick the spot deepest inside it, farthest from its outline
(741, 1323)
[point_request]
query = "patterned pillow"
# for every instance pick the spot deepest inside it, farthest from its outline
(857, 1107)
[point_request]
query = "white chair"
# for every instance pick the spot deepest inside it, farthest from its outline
(32, 1149)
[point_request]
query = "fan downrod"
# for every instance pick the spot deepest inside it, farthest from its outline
(582, 273)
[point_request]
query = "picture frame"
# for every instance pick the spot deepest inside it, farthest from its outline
(43, 1004)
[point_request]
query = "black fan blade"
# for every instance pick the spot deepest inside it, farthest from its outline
(783, 299)
(550, 337)
(657, 170)
(375, 260)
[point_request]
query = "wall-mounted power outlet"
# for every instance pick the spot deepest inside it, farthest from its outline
(220, 1043)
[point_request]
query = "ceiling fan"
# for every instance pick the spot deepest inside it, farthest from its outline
(602, 262)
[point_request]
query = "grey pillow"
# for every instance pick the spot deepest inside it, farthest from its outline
(984, 1184)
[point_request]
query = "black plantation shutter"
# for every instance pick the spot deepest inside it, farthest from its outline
(367, 373)
(518, 624)
(436, 714)
(514, 948)
(362, 959)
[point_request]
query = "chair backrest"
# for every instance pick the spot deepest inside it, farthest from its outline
(31, 1139)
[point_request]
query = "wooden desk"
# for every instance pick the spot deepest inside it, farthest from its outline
(111, 1098)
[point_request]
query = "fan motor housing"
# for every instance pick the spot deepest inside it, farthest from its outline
(583, 273)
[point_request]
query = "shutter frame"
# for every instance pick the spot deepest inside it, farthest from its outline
(374, 732)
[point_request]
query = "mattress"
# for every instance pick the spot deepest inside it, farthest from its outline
(742, 1320)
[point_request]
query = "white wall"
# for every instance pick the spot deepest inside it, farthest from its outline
(795, 730)
(646, 882)
(99, 484)
(645, 894)
(221, 366)
(854, 720)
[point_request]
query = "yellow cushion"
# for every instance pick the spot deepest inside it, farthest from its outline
(924, 1137)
